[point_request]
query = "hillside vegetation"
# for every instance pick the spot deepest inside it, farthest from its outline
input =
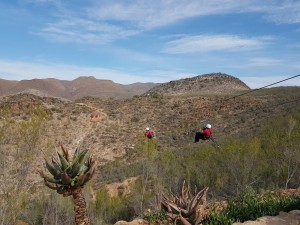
(258, 136)
(205, 84)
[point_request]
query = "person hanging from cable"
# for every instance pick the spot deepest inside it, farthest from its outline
(204, 134)
(149, 133)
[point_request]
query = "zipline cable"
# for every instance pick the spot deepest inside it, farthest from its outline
(213, 140)
(257, 89)
(263, 87)
(271, 106)
(236, 96)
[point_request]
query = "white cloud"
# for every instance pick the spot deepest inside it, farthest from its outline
(105, 21)
(288, 12)
(150, 14)
(82, 31)
(207, 43)
(265, 62)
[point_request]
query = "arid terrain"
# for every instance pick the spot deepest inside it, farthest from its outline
(173, 117)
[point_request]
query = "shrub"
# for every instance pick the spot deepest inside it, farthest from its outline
(156, 216)
(111, 209)
(251, 205)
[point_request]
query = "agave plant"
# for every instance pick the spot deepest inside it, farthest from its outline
(189, 209)
(68, 175)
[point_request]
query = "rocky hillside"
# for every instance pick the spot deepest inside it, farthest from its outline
(172, 117)
(116, 137)
(122, 121)
(75, 89)
(214, 83)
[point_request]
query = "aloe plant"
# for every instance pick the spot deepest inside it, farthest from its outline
(68, 175)
(189, 209)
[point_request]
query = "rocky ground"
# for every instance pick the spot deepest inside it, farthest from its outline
(290, 218)
(123, 121)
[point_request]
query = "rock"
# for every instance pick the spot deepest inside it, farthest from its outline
(134, 222)
(121, 188)
(291, 218)
(295, 212)
(20, 222)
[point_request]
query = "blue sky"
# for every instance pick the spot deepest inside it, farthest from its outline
(130, 41)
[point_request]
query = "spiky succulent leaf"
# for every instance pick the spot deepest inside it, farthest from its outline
(55, 172)
(78, 180)
(52, 180)
(56, 165)
(90, 161)
(65, 152)
(80, 158)
(48, 178)
(66, 180)
(50, 185)
(79, 164)
(77, 151)
(69, 175)
(74, 170)
(87, 175)
(63, 161)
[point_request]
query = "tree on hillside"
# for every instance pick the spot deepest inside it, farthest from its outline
(68, 176)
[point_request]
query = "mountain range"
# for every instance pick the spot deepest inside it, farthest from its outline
(90, 86)
(75, 89)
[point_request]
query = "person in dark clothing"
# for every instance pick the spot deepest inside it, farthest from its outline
(204, 134)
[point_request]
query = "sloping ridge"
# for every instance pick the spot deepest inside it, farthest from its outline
(90, 86)
(213, 83)
(72, 90)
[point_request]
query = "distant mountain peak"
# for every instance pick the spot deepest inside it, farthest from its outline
(85, 78)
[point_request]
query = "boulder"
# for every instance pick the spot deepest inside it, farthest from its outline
(20, 222)
(134, 222)
(291, 218)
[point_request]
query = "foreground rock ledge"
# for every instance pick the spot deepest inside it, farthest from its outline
(291, 218)
(134, 222)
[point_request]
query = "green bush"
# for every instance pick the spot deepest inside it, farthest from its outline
(156, 216)
(48, 207)
(251, 205)
(110, 209)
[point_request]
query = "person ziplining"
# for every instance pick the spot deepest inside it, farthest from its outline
(149, 133)
(204, 134)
